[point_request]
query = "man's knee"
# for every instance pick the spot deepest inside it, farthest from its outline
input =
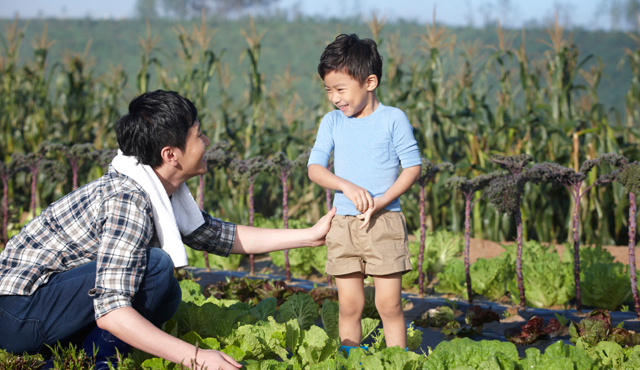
(159, 262)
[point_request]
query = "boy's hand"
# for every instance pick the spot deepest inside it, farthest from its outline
(360, 197)
(366, 216)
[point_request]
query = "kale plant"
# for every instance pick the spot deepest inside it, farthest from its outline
(76, 154)
(32, 162)
(572, 180)
(247, 170)
(217, 156)
(7, 170)
(469, 188)
(505, 193)
(628, 174)
(282, 166)
(427, 172)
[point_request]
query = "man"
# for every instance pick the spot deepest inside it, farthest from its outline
(87, 269)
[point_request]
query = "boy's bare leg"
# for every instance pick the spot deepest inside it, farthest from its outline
(389, 305)
(351, 300)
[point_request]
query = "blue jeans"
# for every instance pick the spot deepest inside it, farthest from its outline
(62, 310)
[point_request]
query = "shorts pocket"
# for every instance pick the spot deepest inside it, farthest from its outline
(380, 153)
(390, 231)
(20, 336)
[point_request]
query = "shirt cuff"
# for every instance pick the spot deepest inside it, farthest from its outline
(104, 305)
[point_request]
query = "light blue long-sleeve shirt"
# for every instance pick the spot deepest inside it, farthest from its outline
(367, 151)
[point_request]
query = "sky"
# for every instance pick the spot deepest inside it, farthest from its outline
(591, 14)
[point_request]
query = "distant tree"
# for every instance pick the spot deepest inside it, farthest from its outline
(469, 188)
(427, 172)
(282, 166)
(147, 9)
(247, 170)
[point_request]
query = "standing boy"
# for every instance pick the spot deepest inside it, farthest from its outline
(368, 235)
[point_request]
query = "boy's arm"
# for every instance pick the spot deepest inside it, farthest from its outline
(407, 178)
(360, 197)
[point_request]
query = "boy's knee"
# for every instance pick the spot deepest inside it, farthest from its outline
(388, 308)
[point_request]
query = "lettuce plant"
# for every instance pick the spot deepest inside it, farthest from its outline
(282, 166)
(427, 172)
(468, 189)
(573, 180)
(533, 330)
(247, 170)
(505, 193)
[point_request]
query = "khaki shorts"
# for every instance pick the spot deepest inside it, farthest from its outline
(381, 248)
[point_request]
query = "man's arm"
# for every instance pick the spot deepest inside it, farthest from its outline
(360, 197)
(131, 327)
(254, 240)
(407, 178)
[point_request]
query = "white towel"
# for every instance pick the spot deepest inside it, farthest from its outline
(180, 214)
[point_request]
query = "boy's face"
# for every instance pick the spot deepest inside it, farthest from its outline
(350, 96)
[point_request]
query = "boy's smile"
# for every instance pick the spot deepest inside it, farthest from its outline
(350, 96)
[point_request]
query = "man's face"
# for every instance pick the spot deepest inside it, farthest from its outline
(192, 160)
(349, 95)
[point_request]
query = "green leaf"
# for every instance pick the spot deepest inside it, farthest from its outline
(368, 327)
(301, 307)
(330, 315)
(414, 338)
(235, 352)
(264, 309)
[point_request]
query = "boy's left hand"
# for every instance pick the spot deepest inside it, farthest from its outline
(366, 216)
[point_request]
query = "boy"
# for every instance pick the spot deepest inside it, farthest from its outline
(96, 267)
(368, 235)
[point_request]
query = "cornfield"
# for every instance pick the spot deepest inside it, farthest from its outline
(466, 101)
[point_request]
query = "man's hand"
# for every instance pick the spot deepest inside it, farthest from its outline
(360, 197)
(211, 359)
(321, 228)
(366, 216)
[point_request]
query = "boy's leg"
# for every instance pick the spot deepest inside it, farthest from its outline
(389, 305)
(351, 301)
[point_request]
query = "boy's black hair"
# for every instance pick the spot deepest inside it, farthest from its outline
(155, 120)
(359, 58)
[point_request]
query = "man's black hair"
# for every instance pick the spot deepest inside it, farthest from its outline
(155, 120)
(358, 58)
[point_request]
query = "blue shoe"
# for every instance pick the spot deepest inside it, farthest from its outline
(348, 349)
(107, 347)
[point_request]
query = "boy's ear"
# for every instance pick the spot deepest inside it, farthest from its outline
(371, 82)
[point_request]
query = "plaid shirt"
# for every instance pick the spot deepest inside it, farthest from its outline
(108, 221)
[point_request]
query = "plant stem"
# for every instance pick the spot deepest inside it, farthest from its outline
(632, 251)
(251, 215)
(34, 175)
(423, 229)
(201, 206)
(576, 250)
(285, 218)
(467, 243)
(74, 173)
(328, 197)
(518, 215)
(5, 209)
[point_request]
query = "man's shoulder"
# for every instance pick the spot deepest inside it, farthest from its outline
(115, 185)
